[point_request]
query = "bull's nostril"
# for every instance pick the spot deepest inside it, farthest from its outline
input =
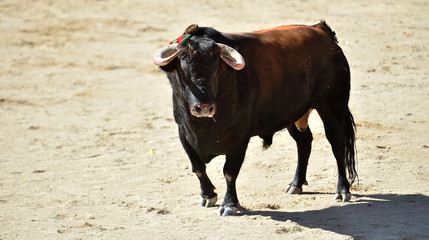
(203, 110)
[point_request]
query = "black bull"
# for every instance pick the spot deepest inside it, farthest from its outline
(219, 103)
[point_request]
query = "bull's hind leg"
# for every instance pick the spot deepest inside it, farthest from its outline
(335, 121)
(208, 197)
(301, 133)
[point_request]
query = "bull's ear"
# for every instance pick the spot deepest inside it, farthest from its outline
(165, 55)
(231, 56)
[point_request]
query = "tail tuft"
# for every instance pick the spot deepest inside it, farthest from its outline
(350, 139)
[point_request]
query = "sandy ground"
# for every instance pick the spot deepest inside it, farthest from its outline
(88, 148)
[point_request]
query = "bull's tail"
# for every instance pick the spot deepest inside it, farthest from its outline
(350, 148)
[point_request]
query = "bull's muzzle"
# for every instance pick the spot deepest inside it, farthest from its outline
(203, 110)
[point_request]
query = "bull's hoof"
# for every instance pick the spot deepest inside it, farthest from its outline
(343, 196)
(227, 211)
(294, 190)
(207, 202)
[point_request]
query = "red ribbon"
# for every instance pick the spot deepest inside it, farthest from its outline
(188, 31)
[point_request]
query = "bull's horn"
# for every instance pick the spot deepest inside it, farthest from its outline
(165, 55)
(231, 56)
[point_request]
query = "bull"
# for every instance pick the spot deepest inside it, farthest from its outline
(229, 87)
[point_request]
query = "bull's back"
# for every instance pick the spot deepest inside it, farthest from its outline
(287, 65)
(291, 48)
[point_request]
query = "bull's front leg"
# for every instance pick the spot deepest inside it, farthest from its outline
(208, 197)
(230, 170)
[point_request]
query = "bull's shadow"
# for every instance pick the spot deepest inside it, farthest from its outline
(380, 216)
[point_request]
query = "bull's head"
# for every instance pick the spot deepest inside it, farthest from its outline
(198, 71)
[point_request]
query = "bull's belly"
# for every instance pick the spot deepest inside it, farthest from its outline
(278, 119)
(271, 126)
